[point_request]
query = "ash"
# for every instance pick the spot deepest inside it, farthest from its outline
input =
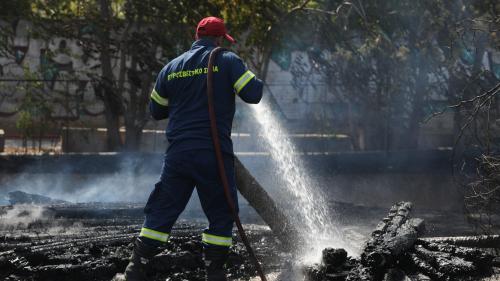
(93, 241)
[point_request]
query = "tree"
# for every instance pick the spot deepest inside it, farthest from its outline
(113, 33)
(389, 62)
(34, 111)
(10, 13)
(133, 39)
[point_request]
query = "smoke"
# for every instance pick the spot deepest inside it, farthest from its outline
(57, 229)
(132, 182)
(27, 216)
(124, 185)
(22, 216)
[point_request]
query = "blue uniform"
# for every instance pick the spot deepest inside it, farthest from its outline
(181, 86)
(180, 94)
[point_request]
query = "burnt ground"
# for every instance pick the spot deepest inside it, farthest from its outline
(93, 241)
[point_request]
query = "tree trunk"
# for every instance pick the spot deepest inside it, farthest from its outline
(377, 111)
(133, 136)
(112, 100)
(417, 112)
(136, 115)
(418, 63)
(113, 140)
(374, 128)
(355, 135)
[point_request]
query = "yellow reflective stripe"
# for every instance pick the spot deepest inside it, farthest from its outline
(217, 240)
(243, 81)
(153, 234)
(158, 99)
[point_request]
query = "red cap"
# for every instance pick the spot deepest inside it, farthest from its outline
(212, 26)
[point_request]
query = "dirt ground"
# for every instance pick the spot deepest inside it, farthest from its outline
(93, 241)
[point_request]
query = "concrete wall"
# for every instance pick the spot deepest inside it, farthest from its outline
(94, 140)
(83, 140)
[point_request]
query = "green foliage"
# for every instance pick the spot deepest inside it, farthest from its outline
(11, 9)
(391, 61)
(133, 39)
(35, 109)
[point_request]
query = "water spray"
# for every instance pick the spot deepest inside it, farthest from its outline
(310, 207)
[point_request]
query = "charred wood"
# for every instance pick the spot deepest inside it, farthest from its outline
(394, 252)
(446, 263)
(479, 257)
(394, 235)
(481, 241)
(422, 266)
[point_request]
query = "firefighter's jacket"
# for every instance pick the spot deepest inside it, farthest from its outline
(180, 94)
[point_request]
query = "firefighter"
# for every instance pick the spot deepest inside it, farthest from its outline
(180, 95)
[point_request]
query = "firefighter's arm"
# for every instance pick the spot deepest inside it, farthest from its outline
(158, 104)
(245, 83)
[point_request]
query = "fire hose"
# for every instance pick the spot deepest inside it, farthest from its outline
(220, 162)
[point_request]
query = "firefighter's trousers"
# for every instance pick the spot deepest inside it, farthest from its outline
(182, 172)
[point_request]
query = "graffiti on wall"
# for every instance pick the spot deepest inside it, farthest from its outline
(49, 67)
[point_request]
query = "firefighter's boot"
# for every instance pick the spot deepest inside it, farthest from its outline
(136, 269)
(215, 258)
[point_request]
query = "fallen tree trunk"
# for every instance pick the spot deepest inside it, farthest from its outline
(265, 206)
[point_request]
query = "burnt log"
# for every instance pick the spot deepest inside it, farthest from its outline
(265, 206)
(394, 252)
(394, 235)
(421, 266)
(479, 257)
(480, 241)
(449, 264)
